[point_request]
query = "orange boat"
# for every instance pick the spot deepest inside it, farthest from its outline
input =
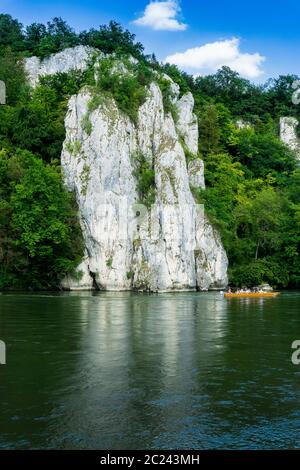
(251, 295)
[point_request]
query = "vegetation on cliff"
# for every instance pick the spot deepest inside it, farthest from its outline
(252, 180)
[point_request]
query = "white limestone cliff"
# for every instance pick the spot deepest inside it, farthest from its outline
(170, 246)
(288, 134)
(73, 58)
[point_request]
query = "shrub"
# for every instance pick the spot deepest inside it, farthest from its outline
(125, 81)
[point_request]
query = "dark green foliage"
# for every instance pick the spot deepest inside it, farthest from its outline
(251, 176)
(12, 74)
(263, 154)
(245, 99)
(37, 123)
(224, 183)
(32, 129)
(43, 40)
(11, 33)
(129, 274)
(184, 80)
(112, 38)
(127, 87)
(252, 179)
(167, 94)
(59, 36)
(255, 273)
(239, 95)
(256, 218)
(209, 130)
(279, 93)
(40, 238)
(34, 35)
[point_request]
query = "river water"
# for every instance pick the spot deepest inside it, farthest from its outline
(138, 371)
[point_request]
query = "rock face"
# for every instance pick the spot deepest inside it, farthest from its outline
(187, 124)
(241, 124)
(74, 58)
(288, 134)
(168, 247)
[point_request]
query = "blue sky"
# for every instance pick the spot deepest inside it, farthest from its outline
(259, 39)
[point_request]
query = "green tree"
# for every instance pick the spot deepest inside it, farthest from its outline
(11, 33)
(59, 36)
(240, 96)
(279, 94)
(258, 272)
(42, 240)
(37, 123)
(184, 80)
(263, 154)
(13, 75)
(112, 38)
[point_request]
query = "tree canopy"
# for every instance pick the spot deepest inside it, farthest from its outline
(42, 40)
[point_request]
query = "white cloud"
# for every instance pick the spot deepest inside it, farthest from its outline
(212, 56)
(161, 16)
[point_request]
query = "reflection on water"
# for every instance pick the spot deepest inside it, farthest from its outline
(135, 371)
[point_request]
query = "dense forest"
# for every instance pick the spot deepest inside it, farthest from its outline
(253, 180)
